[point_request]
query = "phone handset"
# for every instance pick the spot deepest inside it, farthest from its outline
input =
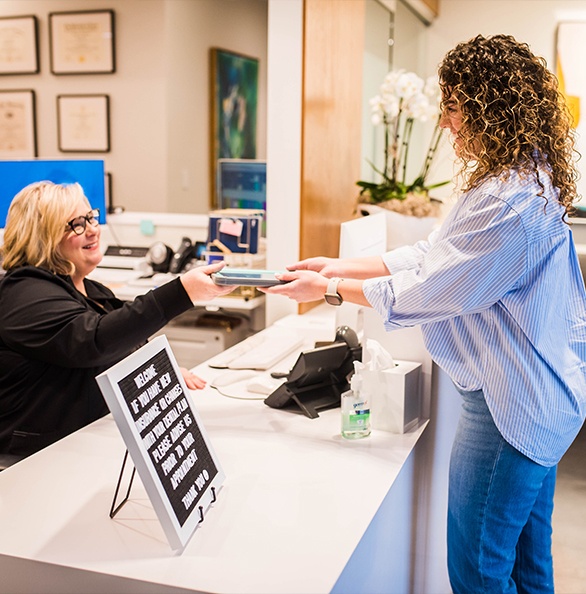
(184, 254)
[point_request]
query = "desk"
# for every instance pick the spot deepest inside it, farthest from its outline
(296, 502)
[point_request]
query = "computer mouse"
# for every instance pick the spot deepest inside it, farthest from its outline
(262, 385)
(347, 335)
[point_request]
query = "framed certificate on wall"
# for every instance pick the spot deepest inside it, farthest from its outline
(82, 42)
(83, 123)
(19, 45)
(18, 134)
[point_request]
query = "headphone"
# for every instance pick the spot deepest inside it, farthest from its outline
(159, 257)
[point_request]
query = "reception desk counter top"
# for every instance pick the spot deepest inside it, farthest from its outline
(296, 501)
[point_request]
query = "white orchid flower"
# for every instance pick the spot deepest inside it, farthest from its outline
(408, 85)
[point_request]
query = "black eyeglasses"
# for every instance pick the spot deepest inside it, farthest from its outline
(78, 224)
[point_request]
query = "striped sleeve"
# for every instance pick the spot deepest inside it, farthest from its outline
(475, 260)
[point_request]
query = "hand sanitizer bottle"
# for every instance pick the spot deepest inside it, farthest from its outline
(355, 411)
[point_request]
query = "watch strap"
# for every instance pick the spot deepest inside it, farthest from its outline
(331, 295)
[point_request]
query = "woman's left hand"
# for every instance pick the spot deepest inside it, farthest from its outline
(193, 381)
(302, 286)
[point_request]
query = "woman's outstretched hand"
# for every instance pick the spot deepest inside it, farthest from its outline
(328, 267)
(301, 285)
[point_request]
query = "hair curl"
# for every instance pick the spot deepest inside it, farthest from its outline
(35, 226)
(513, 114)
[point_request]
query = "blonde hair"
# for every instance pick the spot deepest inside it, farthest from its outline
(35, 225)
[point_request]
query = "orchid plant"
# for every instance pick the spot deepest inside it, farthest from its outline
(404, 98)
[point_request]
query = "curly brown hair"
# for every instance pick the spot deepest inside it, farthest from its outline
(513, 113)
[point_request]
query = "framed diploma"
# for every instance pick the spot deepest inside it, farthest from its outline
(82, 42)
(83, 123)
(19, 45)
(18, 133)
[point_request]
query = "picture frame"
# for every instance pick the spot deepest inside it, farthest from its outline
(19, 45)
(82, 42)
(569, 60)
(234, 101)
(83, 123)
(18, 127)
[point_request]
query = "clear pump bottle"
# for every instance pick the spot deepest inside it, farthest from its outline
(355, 411)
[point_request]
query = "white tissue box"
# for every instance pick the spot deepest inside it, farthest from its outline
(394, 396)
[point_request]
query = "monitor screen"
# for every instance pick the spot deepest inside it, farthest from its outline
(241, 183)
(15, 175)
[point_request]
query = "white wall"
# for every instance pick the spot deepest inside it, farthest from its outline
(193, 26)
(285, 78)
(159, 94)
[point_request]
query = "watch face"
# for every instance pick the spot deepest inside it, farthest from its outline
(333, 299)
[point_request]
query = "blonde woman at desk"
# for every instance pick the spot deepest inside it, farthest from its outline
(59, 329)
(501, 302)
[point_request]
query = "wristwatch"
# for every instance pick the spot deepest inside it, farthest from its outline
(331, 295)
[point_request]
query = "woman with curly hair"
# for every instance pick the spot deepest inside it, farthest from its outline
(500, 298)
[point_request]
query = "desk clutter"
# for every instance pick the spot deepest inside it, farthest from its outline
(234, 231)
(375, 391)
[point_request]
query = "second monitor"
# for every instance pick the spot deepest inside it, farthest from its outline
(242, 183)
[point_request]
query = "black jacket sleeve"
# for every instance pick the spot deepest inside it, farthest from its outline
(43, 317)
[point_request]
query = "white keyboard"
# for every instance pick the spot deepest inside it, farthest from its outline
(257, 352)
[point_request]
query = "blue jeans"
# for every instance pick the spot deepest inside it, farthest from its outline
(500, 505)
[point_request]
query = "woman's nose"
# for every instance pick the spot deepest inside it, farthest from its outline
(91, 230)
(444, 121)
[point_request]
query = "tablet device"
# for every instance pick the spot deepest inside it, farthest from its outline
(247, 277)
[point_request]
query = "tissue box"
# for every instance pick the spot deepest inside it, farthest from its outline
(394, 396)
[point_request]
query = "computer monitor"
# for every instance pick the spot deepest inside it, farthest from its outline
(89, 173)
(242, 183)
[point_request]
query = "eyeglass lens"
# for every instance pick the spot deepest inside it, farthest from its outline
(78, 224)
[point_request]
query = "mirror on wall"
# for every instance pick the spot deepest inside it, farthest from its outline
(377, 61)
(394, 39)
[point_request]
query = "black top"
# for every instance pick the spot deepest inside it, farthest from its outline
(53, 343)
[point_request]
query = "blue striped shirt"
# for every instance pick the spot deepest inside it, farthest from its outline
(500, 298)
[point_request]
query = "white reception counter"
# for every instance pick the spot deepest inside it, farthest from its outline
(296, 502)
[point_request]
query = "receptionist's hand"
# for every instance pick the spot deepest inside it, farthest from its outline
(302, 286)
(199, 285)
(193, 382)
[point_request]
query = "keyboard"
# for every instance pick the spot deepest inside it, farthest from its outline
(257, 352)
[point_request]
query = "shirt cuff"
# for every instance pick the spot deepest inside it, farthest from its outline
(381, 296)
